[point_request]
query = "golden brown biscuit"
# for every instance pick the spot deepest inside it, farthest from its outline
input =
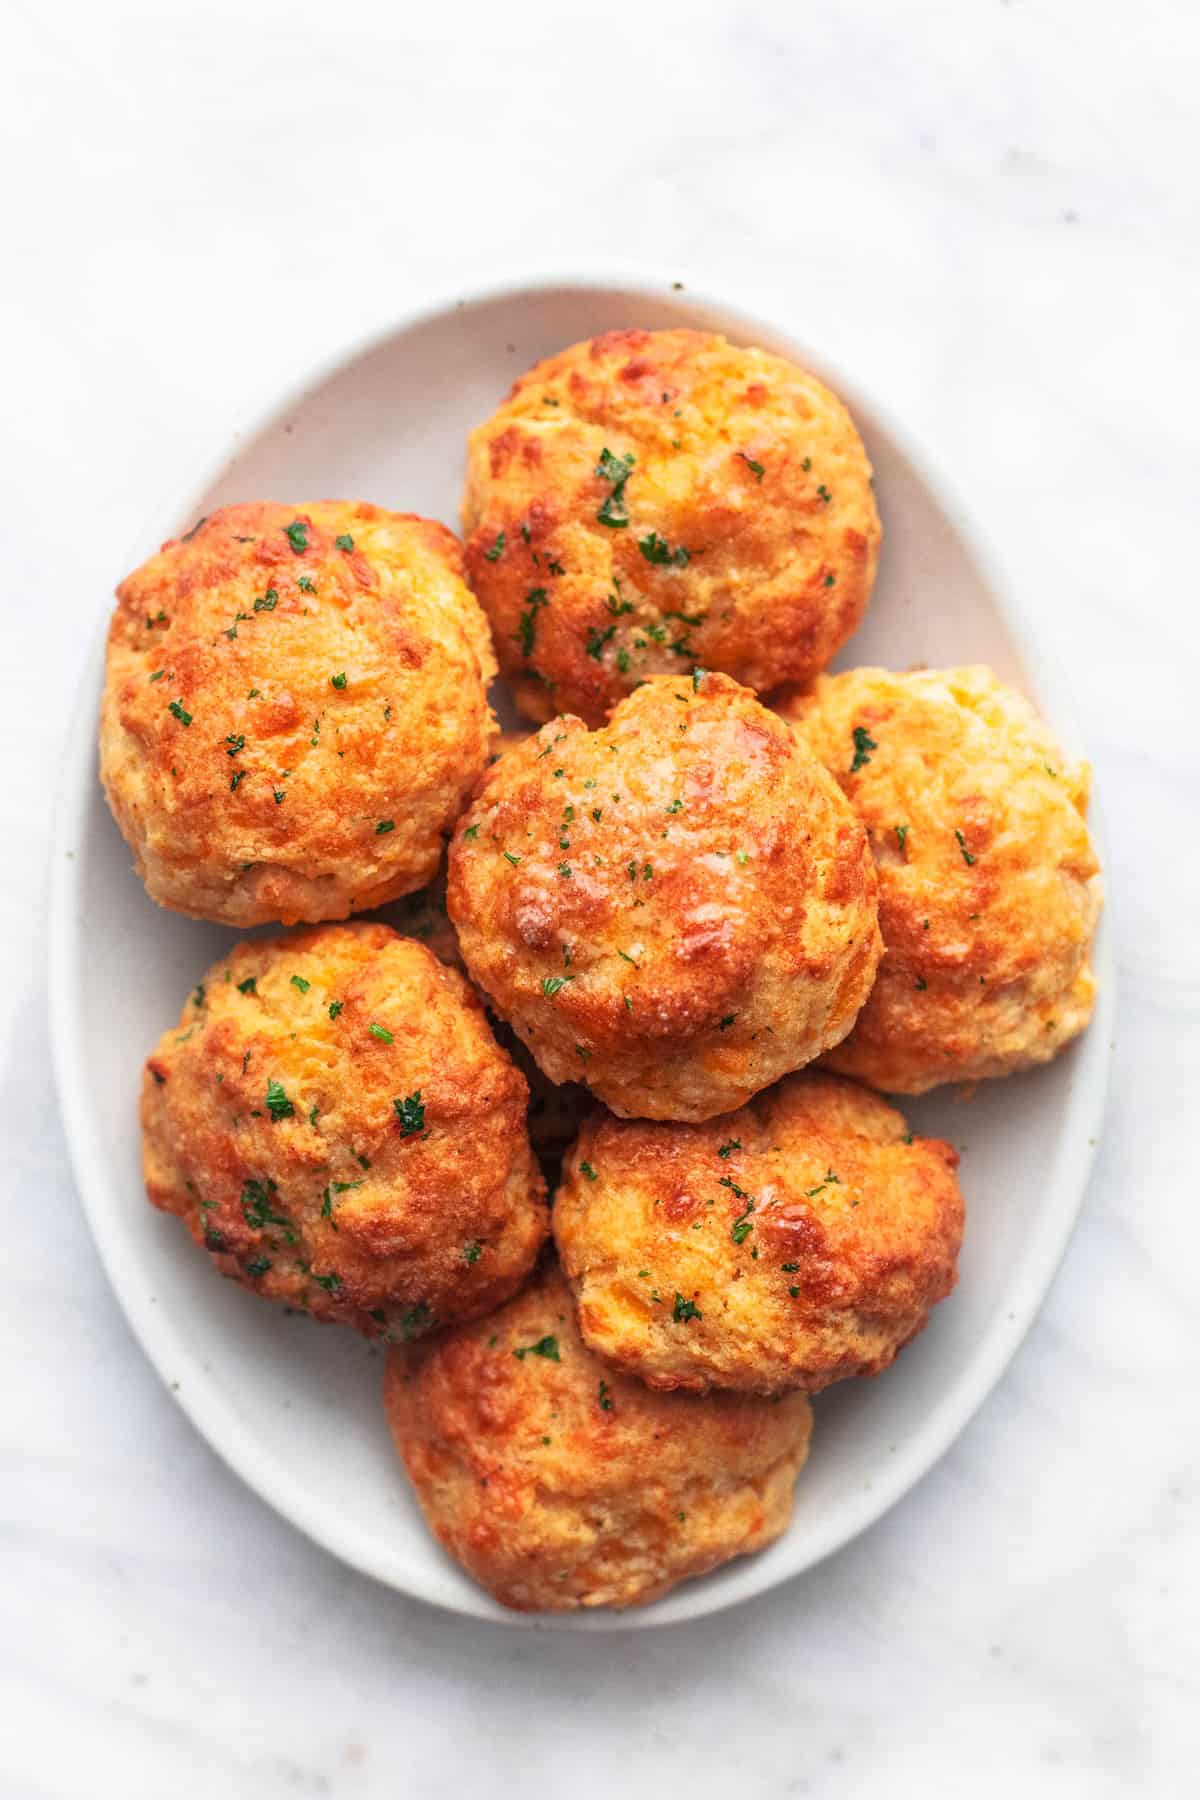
(652, 500)
(559, 1483)
(335, 1124)
(790, 1244)
(989, 889)
(294, 710)
(676, 909)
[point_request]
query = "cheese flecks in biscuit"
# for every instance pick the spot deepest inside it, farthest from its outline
(294, 710)
(649, 501)
(989, 886)
(676, 909)
(558, 1482)
(795, 1242)
(334, 1123)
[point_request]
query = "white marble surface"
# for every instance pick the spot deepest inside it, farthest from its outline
(987, 211)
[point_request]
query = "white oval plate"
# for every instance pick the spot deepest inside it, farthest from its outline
(295, 1408)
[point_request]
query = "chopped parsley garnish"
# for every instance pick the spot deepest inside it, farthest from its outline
(267, 602)
(249, 986)
(176, 708)
(824, 493)
(239, 777)
(789, 1268)
(335, 1007)
(384, 825)
(509, 857)
(617, 470)
(547, 1347)
(258, 1265)
(258, 1197)
(198, 994)
(921, 984)
(307, 585)
(298, 981)
(603, 1397)
(411, 1113)
(279, 795)
(657, 550)
(726, 1022)
(381, 1032)
(901, 835)
(551, 984)
(741, 1228)
(728, 1147)
(236, 742)
(830, 580)
(338, 681)
(962, 844)
(297, 536)
(831, 1180)
(343, 541)
(614, 468)
(189, 535)
(496, 551)
(864, 743)
(415, 1320)
(755, 468)
(527, 622)
(158, 675)
(597, 640)
(585, 1168)
(684, 1310)
(331, 1282)
(278, 1104)
(472, 1252)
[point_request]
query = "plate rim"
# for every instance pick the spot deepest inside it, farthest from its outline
(232, 1439)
